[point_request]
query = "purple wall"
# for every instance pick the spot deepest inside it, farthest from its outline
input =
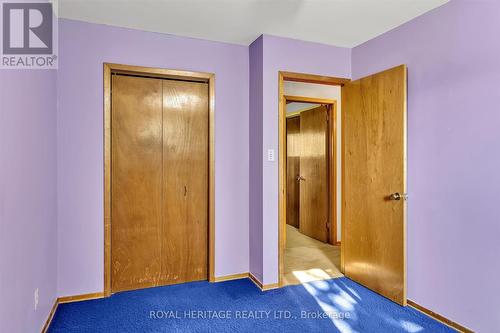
(283, 54)
(256, 158)
(83, 49)
(453, 147)
(27, 198)
(452, 55)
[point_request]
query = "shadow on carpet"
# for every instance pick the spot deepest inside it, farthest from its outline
(336, 305)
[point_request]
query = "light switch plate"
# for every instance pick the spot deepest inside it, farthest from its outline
(270, 155)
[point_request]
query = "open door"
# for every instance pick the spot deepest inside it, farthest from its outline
(292, 170)
(374, 199)
(314, 173)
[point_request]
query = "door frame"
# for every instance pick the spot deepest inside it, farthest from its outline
(282, 100)
(108, 70)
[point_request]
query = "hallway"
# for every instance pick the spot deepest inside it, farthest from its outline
(307, 259)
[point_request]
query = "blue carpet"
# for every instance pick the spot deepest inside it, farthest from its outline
(337, 305)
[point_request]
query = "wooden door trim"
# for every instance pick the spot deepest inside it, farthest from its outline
(312, 78)
(302, 99)
(282, 100)
(332, 172)
(342, 190)
(209, 78)
(405, 181)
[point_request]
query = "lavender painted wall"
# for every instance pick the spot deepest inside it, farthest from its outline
(83, 48)
(452, 55)
(453, 221)
(256, 158)
(27, 198)
(283, 54)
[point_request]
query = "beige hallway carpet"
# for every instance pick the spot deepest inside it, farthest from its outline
(307, 259)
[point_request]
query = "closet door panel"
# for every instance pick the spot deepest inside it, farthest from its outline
(136, 185)
(185, 181)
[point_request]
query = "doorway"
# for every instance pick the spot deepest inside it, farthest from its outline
(373, 179)
(312, 251)
(159, 221)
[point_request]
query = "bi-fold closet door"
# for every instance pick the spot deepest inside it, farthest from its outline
(159, 182)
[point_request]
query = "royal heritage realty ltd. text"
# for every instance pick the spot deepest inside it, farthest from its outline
(246, 314)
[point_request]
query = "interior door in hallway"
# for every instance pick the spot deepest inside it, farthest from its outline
(292, 170)
(374, 164)
(314, 173)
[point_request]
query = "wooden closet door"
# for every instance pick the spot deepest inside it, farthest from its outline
(136, 186)
(185, 181)
(314, 173)
(292, 170)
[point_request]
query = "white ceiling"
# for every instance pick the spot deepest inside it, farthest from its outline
(344, 23)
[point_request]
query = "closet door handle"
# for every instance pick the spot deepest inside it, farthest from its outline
(299, 178)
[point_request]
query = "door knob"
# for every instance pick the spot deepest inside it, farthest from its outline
(396, 196)
(299, 178)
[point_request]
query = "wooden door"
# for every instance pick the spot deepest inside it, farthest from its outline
(314, 173)
(374, 134)
(136, 164)
(185, 181)
(292, 170)
(159, 182)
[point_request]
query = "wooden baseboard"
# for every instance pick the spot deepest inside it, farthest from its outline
(270, 286)
(246, 276)
(439, 318)
(261, 286)
(255, 280)
(78, 298)
(68, 299)
(51, 315)
(231, 277)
